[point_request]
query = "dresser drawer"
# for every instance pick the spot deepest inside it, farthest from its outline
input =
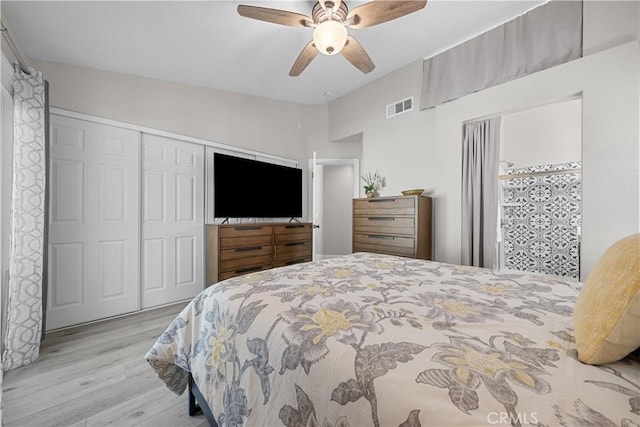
(292, 261)
(246, 252)
(250, 230)
(246, 264)
(292, 250)
(385, 206)
(381, 249)
(245, 241)
(384, 224)
(384, 240)
(243, 270)
(292, 233)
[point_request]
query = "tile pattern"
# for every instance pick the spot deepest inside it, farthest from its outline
(541, 219)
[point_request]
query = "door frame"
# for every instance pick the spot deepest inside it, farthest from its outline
(316, 189)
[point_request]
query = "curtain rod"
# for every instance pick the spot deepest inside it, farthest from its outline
(8, 36)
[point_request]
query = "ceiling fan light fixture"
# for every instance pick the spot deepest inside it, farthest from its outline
(330, 37)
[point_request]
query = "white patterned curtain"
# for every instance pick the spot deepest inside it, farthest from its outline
(28, 235)
(480, 159)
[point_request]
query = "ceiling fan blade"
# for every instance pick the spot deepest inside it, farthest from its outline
(379, 11)
(355, 53)
(306, 56)
(276, 16)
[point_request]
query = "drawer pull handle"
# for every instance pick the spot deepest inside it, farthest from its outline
(381, 200)
(381, 218)
(295, 244)
(246, 270)
(246, 228)
(295, 226)
(248, 248)
(294, 261)
(377, 236)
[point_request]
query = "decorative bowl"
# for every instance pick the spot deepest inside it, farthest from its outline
(414, 192)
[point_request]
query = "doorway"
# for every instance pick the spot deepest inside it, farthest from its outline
(334, 185)
(540, 188)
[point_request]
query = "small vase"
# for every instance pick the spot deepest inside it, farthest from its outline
(371, 194)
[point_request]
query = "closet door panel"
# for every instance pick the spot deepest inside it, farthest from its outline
(173, 220)
(94, 222)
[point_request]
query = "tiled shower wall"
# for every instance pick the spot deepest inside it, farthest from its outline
(541, 213)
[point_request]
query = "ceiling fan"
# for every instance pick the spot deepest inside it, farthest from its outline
(330, 19)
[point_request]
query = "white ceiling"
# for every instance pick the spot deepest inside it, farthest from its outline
(206, 43)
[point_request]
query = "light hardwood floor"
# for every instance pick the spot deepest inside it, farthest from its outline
(96, 375)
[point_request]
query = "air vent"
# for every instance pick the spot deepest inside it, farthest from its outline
(399, 107)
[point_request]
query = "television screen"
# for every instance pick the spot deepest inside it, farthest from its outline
(245, 188)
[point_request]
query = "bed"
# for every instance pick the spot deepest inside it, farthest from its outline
(378, 340)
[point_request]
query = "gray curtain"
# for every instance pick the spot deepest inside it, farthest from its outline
(548, 35)
(480, 159)
(28, 236)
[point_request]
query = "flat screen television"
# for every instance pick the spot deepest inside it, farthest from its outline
(246, 188)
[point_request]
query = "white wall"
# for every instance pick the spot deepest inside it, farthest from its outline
(400, 148)
(609, 83)
(543, 135)
(609, 23)
(423, 148)
(260, 124)
(419, 149)
(240, 120)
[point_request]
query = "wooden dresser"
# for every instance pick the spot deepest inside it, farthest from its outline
(235, 249)
(399, 225)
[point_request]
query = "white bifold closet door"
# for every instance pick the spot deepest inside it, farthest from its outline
(172, 251)
(94, 222)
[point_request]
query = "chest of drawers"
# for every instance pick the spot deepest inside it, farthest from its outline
(398, 225)
(235, 249)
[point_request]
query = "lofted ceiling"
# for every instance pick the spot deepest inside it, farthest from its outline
(207, 43)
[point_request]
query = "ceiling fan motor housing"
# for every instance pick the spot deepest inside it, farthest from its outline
(321, 14)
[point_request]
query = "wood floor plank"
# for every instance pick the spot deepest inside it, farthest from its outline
(96, 375)
(174, 418)
(59, 394)
(77, 348)
(138, 409)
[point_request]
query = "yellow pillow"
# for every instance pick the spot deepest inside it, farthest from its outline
(607, 313)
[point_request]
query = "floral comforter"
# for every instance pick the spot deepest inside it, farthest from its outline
(379, 340)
